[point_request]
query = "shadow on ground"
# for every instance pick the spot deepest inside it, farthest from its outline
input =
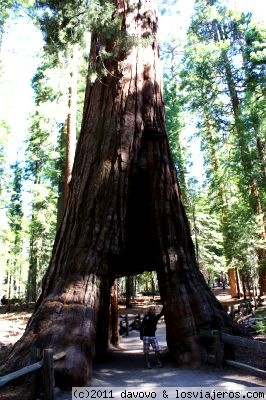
(124, 366)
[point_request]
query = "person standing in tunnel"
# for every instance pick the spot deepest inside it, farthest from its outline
(147, 334)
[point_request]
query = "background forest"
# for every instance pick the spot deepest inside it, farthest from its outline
(214, 90)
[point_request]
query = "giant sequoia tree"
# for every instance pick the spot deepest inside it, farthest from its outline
(124, 213)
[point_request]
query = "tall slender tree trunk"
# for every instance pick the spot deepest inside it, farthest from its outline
(221, 202)
(255, 122)
(235, 288)
(9, 285)
(31, 294)
(114, 315)
(71, 122)
(68, 136)
(123, 216)
(261, 153)
(61, 165)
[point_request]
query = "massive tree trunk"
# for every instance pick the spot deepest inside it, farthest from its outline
(124, 215)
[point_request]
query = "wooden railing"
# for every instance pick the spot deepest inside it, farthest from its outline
(47, 366)
(236, 351)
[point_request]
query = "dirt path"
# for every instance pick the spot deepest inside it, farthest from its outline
(124, 367)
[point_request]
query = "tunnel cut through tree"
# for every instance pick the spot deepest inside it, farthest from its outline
(124, 213)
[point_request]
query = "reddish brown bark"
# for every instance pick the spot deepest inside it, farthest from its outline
(71, 133)
(235, 290)
(114, 316)
(124, 215)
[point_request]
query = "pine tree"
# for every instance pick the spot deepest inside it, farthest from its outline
(42, 160)
(15, 216)
(216, 88)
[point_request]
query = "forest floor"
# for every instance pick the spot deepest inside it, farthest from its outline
(124, 364)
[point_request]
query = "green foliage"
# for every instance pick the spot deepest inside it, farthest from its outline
(66, 23)
(101, 20)
(15, 206)
(207, 234)
(222, 81)
(43, 156)
(175, 126)
(242, 229)
(7, 6)
(4, 131)
(12, 236)
(61, 22)
(43, 203)
(260, 326)
(167, 6)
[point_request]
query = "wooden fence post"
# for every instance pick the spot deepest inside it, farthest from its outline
(48, 374)
(35, 377)
(34, 370)
(126, 320)
(218, 348)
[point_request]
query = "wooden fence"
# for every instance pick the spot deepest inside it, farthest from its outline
(47, 367)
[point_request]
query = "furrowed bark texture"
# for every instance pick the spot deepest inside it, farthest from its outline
(124, 215)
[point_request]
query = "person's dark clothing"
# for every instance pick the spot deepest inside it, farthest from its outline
(4, 301)
(149, 324)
